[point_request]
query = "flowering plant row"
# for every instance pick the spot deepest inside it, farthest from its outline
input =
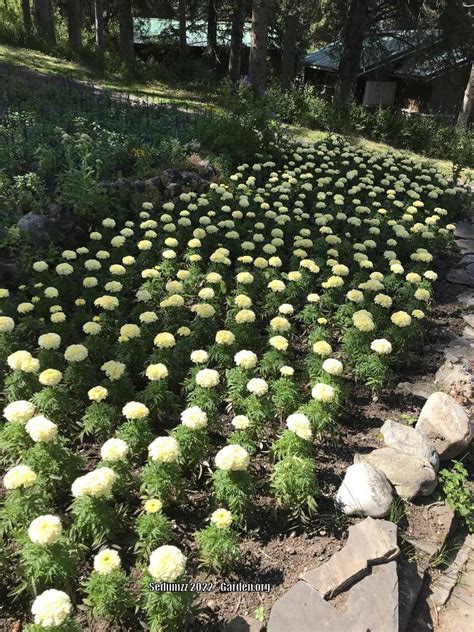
(205, 346)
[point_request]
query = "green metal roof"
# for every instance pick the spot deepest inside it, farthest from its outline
(147, 30)
(435, 64)
(377, 50)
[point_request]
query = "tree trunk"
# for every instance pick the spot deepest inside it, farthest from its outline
(74, 24)
(44, 21)
(99, 26)
(211, 48)
(352, 39)
(288, 56)
(466, 107)
(26, 14)
(183, 43)
(127, 50)
(258, 45)
(238, 21)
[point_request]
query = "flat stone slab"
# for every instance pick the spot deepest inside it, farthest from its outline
(466, 298)
(370, 542)
(459, 349)
(469, 319)
(410, 581)
(464, 230)
(461, 276)
(466, 246)
(422, 390)
(441, 589)
(459, 612)
(373, 602)
(302, 609)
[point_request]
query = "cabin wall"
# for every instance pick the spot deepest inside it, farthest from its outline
(448, 90)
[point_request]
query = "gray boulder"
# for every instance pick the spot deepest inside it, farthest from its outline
(410, 475)
(410, 441)
(447, 424)
(365, 490)
(39, 229)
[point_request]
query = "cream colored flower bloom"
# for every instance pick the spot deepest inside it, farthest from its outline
(333, 367)
(164, 450)
(400, 319)
(153, 505)
(97, 393)
(19, 411)
(194, 418)
(114, 450)
(240, 422)
(225, 337)
(232, 458)
(41, 429)
(76, 353)
(323, 393)
(106, 561)
(19, 476)
(45, 530)
(135, 410)
(300, 425)
(50, 377)
(257, 386)
(245, 359)
(222, 518)
(167, 563)
(156, 372)
(381, 346)
(207, 378)
(51, 608)
(7, 324)
(322, 348)
(280, 343)
(97, 483)
(164, 340)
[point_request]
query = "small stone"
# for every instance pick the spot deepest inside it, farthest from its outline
(374, 601)
(468, 333)
(465, 245)
(374, 540)
(459, 349)
(365, 490)
(454, 378)
(466, 298)
(469, 319)
(410, 441)
(447, 424)
(410, 475)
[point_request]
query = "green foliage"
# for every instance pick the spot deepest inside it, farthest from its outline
(458, 495)
(107, 595)
(218, 548)
(47, 566)
(293, 483)
(163, 480)
(153, 530)
(233, 490)
(95, 520)
(193, 445)
(289, 444)
(165, 611)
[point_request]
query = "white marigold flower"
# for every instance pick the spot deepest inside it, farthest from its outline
(129, 331)
(221, 518)
(164, 340)
(381, 346)
(246, 359)
(333, 367)
(257, 386)
(280, 343)
(207, 378)
(400, 319)
(106, 561)
(276, 286)
(97, 483)
(40, 266)
(323, 393)
(114, 450)
(287, 371)
(242, 301)
(232, 458)
(97, 393)
(224, 337)
(41, 429)
(7, 324)
(135, 410)
(51, 608)
(167, 563)
(64, 269)
(50, 377)
(245, 316)
(107, 303)
(194, 418)
(300, 425)
(19, 476)
(322, 348)
(19, 412)
(45, 529)
(75, 353)
(18, 359)
(383, 300)
(355, 296)
(113, 369)
(280, 324)
(240, 422)
(156, 372)
(199, 356)
(164, 450)
(422, 295)
(363, 320)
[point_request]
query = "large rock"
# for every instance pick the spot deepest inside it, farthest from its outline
(454, 378)
(370, 542)
(410, 475)
(447, 424)
(39, 229)
(365, 490)
(410, 441)
(373, 602)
